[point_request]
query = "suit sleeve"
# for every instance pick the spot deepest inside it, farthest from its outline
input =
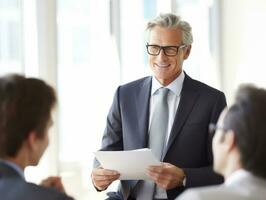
(112, 138)
(205, 175)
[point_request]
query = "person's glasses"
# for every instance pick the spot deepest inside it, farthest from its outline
(213, 127)
(155, 50)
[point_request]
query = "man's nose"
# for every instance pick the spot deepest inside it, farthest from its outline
(162, 55)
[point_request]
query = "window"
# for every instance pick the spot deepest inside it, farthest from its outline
(134, 16)
(87, 48)
(203, 59)
(88, 74)
(10, 36)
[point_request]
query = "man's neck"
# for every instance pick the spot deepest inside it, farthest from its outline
(229, 171)
(233, 164)
(21, 159)
(17, 162)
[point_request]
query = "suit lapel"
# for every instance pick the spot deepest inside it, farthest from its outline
(188, 98)
(143, 107)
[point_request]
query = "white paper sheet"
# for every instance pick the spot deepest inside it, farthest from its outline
(130, 164)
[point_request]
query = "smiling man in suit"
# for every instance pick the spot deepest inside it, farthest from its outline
(169, 113)
(239, 150)
(26, 105)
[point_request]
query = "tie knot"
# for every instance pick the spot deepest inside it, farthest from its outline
(163, 92)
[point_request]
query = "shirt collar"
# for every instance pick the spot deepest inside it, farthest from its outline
(14, 167)
(175, 86)
(236, 176)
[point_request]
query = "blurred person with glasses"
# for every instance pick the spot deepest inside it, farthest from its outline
(170, 99)
(239, 150)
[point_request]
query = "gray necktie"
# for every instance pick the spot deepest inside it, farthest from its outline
(157, 138)
(159, 124)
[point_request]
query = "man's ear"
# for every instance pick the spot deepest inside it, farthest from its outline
(229, 140)
(187, 51)
(31, 140)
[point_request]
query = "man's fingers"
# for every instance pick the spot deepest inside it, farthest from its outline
(53, 182)
(166, 170)
(102, 178)
(104, 172)
(156, 169)
(166, 176)
(105, 177)
(158, 176)
(103, 184)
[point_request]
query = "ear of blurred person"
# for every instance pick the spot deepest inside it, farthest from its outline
(239, 149)
(26, 105)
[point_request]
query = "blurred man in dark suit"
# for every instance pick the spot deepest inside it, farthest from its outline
(26, 105)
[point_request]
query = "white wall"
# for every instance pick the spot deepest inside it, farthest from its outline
(243, 34)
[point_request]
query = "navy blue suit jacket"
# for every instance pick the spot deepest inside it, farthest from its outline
(14, 187)
(189, 145)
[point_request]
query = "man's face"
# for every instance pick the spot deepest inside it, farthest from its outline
(167, 68)
(219, 147)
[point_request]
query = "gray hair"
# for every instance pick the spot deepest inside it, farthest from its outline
(170, 20)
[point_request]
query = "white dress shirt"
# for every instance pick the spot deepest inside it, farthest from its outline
(173, 99)
(240, 185)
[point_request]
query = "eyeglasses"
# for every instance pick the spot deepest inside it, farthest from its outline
(213, 127)
(155, 50)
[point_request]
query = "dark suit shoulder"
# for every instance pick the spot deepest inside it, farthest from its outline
(16, 188)
(202, 87)
(136, 83)
(129, 90)
(47, 193)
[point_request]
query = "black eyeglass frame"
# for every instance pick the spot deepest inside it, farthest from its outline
(163, 48)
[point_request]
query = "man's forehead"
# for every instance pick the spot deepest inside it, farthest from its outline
(165, 36)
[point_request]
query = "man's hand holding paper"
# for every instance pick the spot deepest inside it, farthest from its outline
(166, 176)
(102, 178)
(131, 165)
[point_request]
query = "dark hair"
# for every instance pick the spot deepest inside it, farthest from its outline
(25, 106)
(247, 118)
